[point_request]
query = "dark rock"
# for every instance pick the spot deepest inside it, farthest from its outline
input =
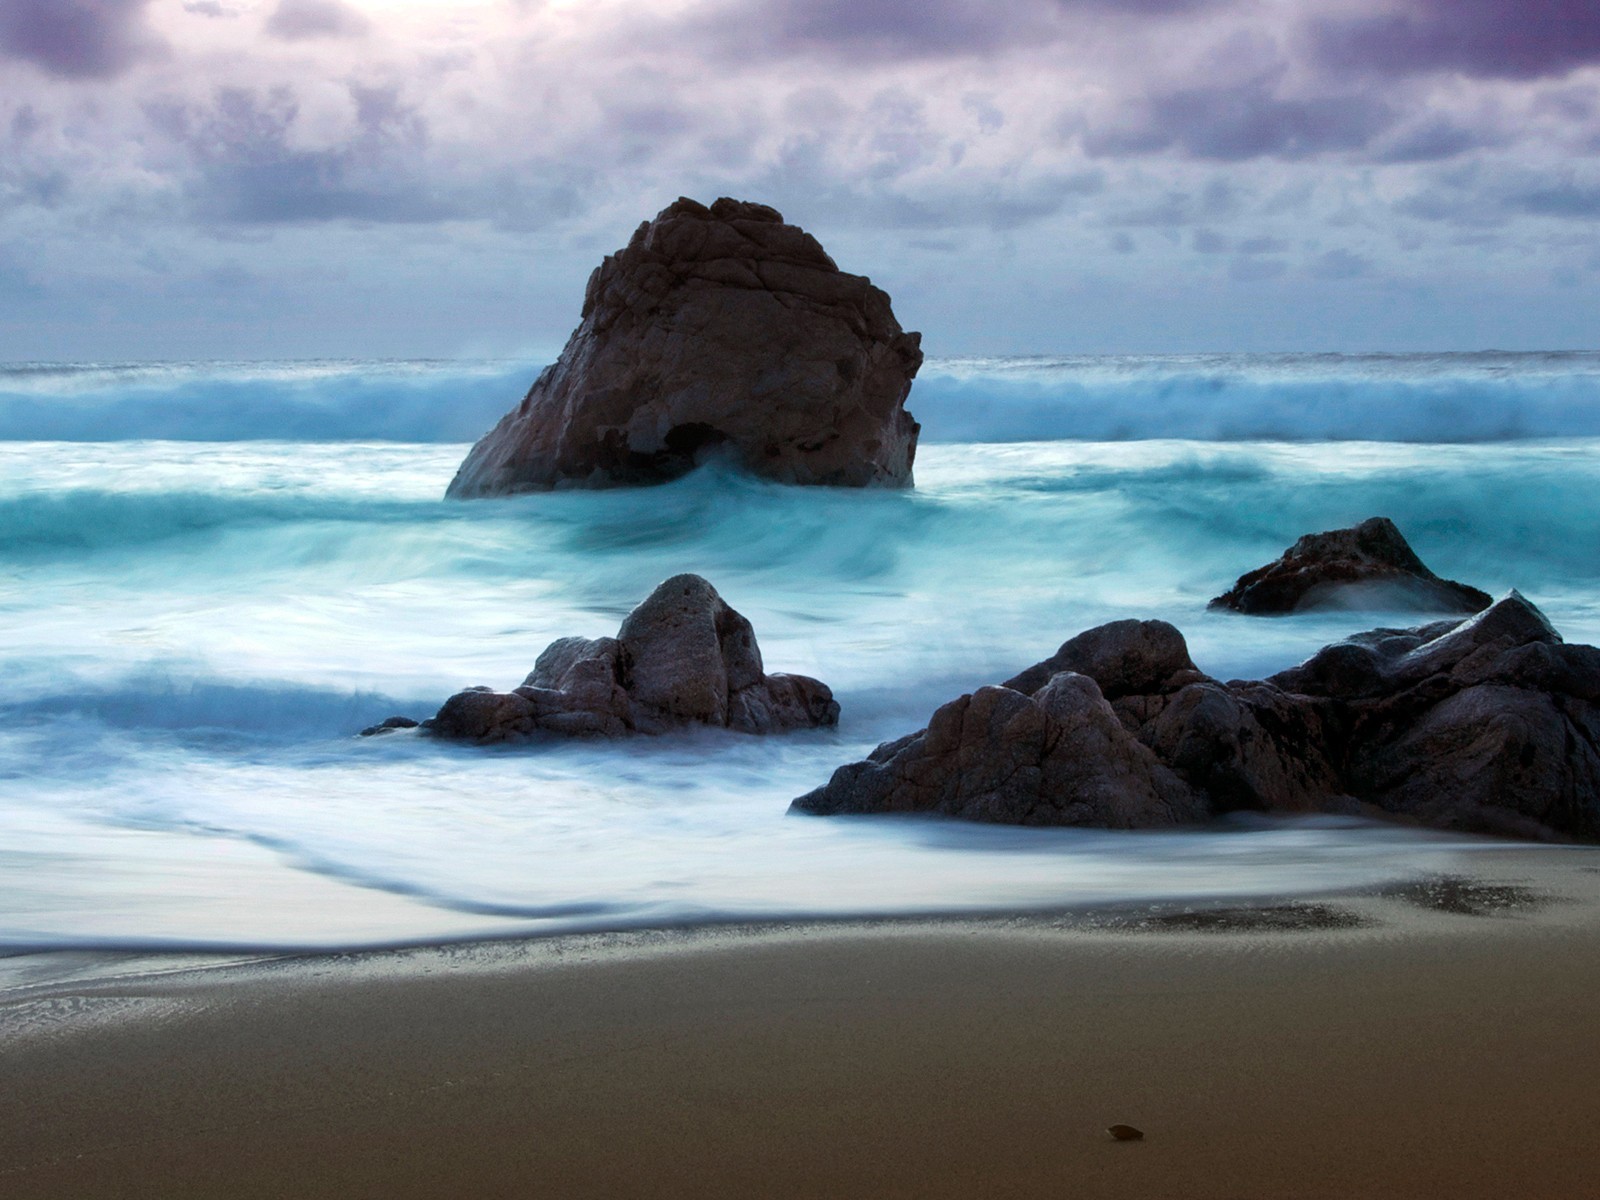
(721, 331)
(1059, 757)
(1368, 566)
(389, 725)
(1124, 657)
(1490, 725)
(683, 657)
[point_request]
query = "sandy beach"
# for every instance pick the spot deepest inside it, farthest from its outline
(1430, 1040)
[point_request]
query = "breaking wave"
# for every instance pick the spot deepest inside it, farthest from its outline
(1296, 398)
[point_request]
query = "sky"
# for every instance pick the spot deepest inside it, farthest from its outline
(414, 178)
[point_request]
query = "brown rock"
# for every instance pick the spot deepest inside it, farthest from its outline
(717, 330)
(1060, 757)
(1368, 566)
(682, 657)
(1487, 725)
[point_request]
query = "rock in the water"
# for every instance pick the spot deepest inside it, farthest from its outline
(717, 330)
(1367, 566)
(1058, 757)
(1489, 725)
(683, 657)
(389, 725)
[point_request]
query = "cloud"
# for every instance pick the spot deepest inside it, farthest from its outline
(1434, 139)
(1239, 121)
(298, 20)
(250, 172)
(1338, 265)
(892, 30)
(1571, 200)
(1486, 39)
(76, 39)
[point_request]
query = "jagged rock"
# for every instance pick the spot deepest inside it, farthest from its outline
(1368, 566)
(682, 657)
(1491, 724)
(1059, 757)
(716, 330)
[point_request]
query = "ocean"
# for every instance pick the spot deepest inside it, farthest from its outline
(213, 575)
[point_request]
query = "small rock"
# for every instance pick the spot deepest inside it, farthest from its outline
(1126, 1133)
(389, 726)
(682, 657)
(1368, 566)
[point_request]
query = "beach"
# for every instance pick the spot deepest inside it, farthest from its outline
(1428, 1038)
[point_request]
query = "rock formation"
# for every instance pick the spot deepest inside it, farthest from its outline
(716, 330)
(1491, 724)
(683, 657)
(1367, 566)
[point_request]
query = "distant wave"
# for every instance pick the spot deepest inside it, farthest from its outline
(423, 401)
(1396, 398)
(1293, 398)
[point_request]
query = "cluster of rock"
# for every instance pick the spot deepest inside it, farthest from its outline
(1491, 724)
(716, 330)
(723, 330)
(1370, 565)
(682, 657)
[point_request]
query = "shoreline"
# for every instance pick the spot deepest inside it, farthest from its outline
(24, 965)
(1434, 1038)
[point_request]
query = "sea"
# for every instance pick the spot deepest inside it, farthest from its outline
(213, 575)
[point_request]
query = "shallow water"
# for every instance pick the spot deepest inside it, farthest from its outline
(192, 632)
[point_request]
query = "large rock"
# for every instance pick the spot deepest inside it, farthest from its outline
(716, 330)
(1370, 565)
(683, 657)
(1491, 724)
(1058, 757)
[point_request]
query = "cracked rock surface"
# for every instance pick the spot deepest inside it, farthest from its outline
(1487, 725)
(715, 331)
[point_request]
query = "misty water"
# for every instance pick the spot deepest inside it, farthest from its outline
(193, 631)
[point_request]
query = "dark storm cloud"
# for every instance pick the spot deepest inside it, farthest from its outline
(75, 39)
(1242, 121)
(1491, 39)
(296, 20)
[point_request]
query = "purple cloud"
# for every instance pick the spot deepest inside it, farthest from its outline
(297, 20)
(250, 174)
(908, 29)
(1491, 39)
(75, 39)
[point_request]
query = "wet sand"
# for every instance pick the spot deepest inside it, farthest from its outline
(1440, 1039)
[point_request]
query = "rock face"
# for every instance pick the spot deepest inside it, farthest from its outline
(1367, 566)
(1491, 724)
(717, 330)
(683, 657)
